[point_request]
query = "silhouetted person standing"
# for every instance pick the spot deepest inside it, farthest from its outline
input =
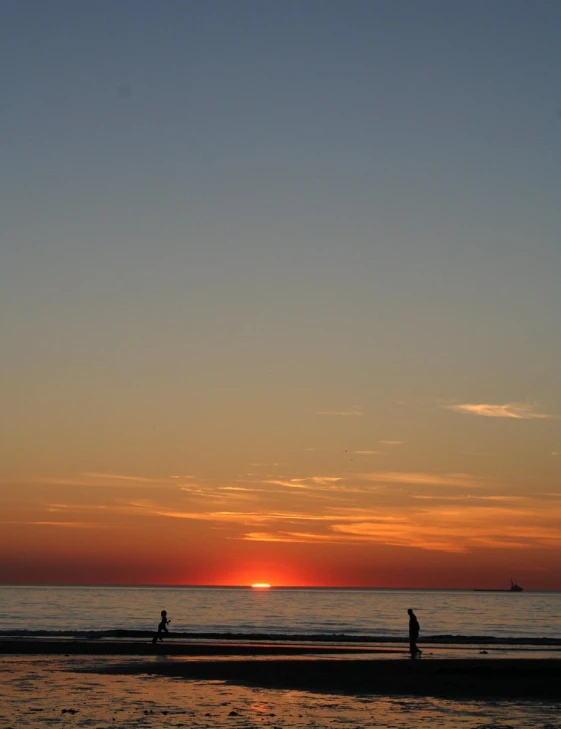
(162, 627)
(413, 634)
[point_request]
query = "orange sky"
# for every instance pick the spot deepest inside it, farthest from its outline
(280, 302)
(377, 528)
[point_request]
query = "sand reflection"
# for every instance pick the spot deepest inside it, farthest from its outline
(40, 693)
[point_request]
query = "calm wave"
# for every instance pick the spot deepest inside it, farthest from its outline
(359, 613)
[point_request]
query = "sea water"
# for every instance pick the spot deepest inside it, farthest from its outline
(371, 613)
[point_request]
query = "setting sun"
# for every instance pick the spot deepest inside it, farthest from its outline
(261, 585)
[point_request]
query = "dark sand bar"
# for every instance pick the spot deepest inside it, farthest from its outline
(518, 678)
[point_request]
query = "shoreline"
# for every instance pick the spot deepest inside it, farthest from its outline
(71, 647)
(277, 646)
(253, 645)
(341, 638)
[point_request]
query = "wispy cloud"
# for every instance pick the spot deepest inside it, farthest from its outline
(64, 524)
(198, 493)
(461, 530)
(391, 442)
(240, 518)
(471, 498)
(424, 479)
(402, 509)
(292, 483)
(366, 453)
(310, 482)
(514, 410)
(293, 537)
(444, 530)
(56, 508)
(401, 534)
(265, 537)
(352, 412)
(501, 521)
(104, 480)
(124, 477)
(244, 489)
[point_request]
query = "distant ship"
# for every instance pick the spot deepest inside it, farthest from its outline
(513, 588)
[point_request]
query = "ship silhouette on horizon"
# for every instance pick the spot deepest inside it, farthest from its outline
(514, 587)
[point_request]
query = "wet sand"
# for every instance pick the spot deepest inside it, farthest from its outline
(318, 668)
(56, 692)
(58, 647)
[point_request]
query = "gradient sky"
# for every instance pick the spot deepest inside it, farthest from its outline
(279, 292)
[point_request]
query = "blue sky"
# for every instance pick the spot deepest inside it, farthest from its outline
(224, 223)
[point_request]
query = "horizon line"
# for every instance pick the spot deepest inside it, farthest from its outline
(250, 587)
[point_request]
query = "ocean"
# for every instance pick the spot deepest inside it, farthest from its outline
(360, 613)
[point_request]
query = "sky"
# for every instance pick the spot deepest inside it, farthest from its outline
(279, 292)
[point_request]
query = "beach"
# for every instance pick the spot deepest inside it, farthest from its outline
(346, 669)
(80, 691)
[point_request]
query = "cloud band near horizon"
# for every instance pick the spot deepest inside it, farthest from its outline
(514, 410)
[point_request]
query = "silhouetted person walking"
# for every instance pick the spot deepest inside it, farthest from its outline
(162, 627)
(413, 634)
